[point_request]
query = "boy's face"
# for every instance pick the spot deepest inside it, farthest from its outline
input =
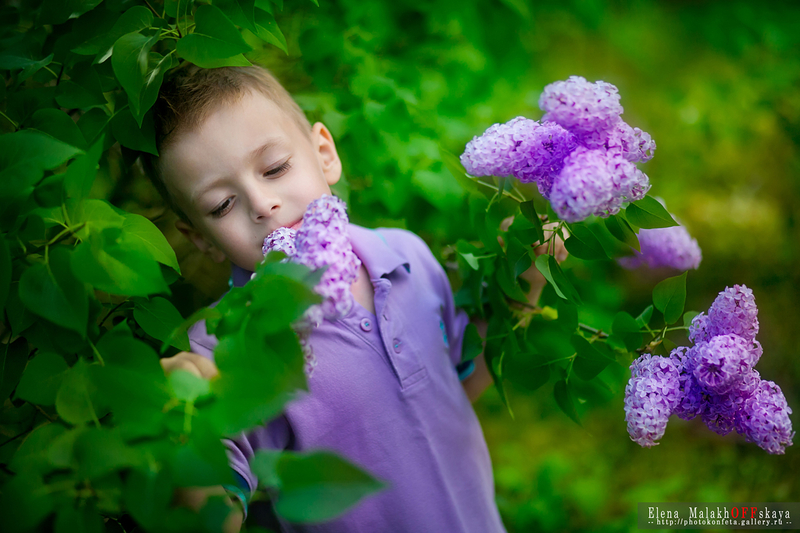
(247, 170)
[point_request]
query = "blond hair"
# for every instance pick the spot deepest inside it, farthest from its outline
(190, 94)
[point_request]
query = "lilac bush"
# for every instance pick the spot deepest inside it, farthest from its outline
(715, 380)
(671, 247)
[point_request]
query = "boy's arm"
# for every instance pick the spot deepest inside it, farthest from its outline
(195, 498)
(481, 378)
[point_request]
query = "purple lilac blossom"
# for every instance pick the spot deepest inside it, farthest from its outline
(322, 241)
(735, 311)
(581, 107)
(671, 247)
(700, 329)
(633, 144)
(720, 363)
(523, 148)
(595, 182)
(281, 240)
(764, 418)
(692, 396)
(651, 395)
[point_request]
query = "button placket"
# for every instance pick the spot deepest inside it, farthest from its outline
(403, 358)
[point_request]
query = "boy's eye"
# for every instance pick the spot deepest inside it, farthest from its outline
(279, 169)
(223, 208)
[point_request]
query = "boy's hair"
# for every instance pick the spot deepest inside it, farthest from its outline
(191, 93)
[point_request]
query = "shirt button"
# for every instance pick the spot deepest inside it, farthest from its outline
(397, 343)
(366, 324)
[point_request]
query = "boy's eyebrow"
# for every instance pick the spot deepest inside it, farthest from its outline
(267, 146)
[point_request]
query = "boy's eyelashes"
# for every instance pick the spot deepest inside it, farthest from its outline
(223, 208)
(280, 169)
(227, 204)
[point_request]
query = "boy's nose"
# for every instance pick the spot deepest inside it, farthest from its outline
(263, 205)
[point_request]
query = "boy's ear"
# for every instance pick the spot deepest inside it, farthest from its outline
(199, 240)
(322, 142)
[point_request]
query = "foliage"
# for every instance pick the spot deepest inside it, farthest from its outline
(91, 289)
(93, 427)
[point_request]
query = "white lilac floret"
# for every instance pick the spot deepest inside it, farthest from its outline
(580, 106)
(671, 247)
(523, 148)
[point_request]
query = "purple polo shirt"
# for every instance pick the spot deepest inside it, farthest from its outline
(385, 395)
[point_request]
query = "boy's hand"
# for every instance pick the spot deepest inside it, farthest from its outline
(190, 362)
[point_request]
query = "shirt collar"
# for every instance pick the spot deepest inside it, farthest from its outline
(368, 244)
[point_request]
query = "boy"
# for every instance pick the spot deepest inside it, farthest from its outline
(239, 160)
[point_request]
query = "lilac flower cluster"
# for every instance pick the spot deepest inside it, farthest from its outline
(671, 247)
(321, 242)
(713, 379)
(582, 155)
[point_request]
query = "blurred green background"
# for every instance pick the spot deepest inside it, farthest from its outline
(717, 85)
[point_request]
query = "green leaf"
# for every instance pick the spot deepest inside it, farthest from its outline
(565, 401)
(59, 125)
(98, 452)
(688, 316)
(14, 357)
(567, 315)
(130, 60)
(42, 378)
(669, 297)
(548, 266)
(52, 291)
(643, 319)
(83, 519)
(319, 486)
(58, 11)
(206, 313)
(140, 233)
(159, 318)
(83, 90)
(80, 174)
(622, 231)
(508, 281)
(29, 153)
(215, 37)
(528, 370)
(528, 228)
(5, 273)
(518, 255)
(134, 19)
(264, 465)
(109, 263)
(268, 30)
(583, 244)
(472, 345)
(146, 495)
(455, 167)
(75, 400)
(590, 361)
(127, 131)
(50, 191)
(96, 215)
(241, 12)
(258, 375)
(648, 213)
(187, 387)
(626, 329)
